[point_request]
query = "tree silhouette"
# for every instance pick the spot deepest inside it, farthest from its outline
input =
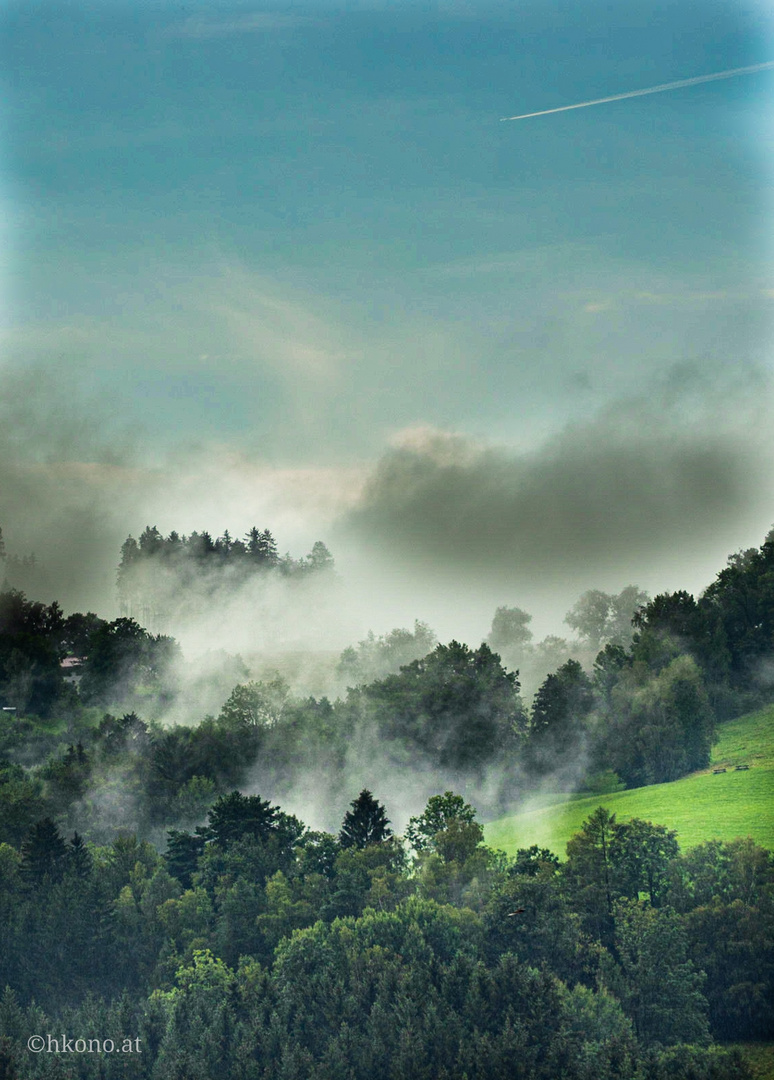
(236, 815)
(43, 852)
(366, 823)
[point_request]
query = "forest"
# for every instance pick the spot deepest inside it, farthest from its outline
(232, 895)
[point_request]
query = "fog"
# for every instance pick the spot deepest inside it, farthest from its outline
(656, 489)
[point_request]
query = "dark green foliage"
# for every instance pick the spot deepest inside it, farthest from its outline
(121, 735)
(22, 802)
(261, 547)
(77, 632)
(458, 707)
(734, 944)
(608, 666)
(30, 650)
(126, 664)
(608, 860)
(293, 956)
(655, 981)
(665, 628)
(43, 852)
(641, 854)
(728, 630)
(79, 859)
(235, 816)
(657, 727)
(255, 704)
(722, 872)
(741, 600)
(531, 916)
(182, 855)
(68, 777)
(402, 995)
(688, 1062)
(556, 730)
(258, 950)
(439, 814)
(726, 891)
(589, 874)
(532, 860)
(366, 823)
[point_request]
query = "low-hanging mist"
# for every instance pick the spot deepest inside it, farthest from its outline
(444, 527)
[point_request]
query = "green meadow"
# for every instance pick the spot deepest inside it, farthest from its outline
(699, 807)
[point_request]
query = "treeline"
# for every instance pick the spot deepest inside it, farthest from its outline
(643, 713)
(111, 662)
(154, 565)
(646, 709)
(255, 948)
(455, 714)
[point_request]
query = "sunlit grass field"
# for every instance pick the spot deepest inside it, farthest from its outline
(699, 807)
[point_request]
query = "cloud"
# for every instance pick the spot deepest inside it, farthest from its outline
(77, 476)
(680, 470)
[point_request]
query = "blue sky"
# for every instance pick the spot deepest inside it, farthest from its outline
(295, 237)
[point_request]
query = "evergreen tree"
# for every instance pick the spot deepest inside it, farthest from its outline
(557, 728)
(366, 823)
(235, 816)
(43, 852)
(658, 986)
(79, 859)
(588, 873)
(151, 541)
(182, 855)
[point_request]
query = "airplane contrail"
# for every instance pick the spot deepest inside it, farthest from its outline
(652, 89)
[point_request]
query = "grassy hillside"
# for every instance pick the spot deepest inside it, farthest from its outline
(700, 807)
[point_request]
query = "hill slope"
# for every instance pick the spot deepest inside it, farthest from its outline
(700, 807)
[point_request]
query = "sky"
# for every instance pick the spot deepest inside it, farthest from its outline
(284, 264)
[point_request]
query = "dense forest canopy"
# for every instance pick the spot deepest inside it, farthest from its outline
(140, 851)
(643, 709)
(256, 948)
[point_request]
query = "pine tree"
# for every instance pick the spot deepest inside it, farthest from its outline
(43, 852)
(236, 815)
(366, 823)
(80, 862)
(182, 855)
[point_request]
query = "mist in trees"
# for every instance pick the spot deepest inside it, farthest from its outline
(421, 713)
(254, 942)
(139, 846)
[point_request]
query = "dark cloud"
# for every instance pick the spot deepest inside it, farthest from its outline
(678, 470)
(68, 477)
